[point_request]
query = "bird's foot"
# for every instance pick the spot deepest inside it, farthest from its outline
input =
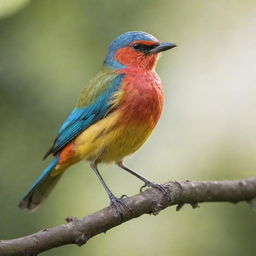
(160, 187)
(120, 206)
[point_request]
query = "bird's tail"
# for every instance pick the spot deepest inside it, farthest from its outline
(41, 189)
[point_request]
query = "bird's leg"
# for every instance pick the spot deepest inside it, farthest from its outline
(118, 203)
(147, 182)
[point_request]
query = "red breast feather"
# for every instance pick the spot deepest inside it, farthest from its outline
(142, 100)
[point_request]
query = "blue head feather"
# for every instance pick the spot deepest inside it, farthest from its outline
(122, 41)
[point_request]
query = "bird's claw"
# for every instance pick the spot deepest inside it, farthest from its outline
(120, 206)
(159, 187)
(144, 186)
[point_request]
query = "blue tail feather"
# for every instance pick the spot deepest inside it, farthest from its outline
(41, 188)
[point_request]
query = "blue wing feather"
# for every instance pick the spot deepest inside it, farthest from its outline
(81, 118)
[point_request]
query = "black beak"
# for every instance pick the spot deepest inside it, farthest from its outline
(162, 47)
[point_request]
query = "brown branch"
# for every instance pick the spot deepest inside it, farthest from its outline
(79, 231)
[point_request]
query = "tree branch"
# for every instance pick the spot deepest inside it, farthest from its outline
(79, 231)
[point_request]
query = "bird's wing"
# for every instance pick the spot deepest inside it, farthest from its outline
(93, 105)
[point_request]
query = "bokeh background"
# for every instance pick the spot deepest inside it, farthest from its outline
(48, 52)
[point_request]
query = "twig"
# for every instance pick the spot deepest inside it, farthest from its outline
(79, 231)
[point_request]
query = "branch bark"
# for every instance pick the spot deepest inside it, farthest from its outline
(79, 231)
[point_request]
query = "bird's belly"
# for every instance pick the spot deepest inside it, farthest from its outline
(110, 140)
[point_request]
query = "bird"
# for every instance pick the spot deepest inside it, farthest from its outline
(113, 117)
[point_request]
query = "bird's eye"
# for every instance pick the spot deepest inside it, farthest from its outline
(143, 47)
(136, 46)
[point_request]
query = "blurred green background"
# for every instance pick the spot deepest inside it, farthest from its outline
(48, 52)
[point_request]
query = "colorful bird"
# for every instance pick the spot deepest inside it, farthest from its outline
(113, 117)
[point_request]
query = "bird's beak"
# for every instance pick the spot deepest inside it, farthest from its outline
(162, 47)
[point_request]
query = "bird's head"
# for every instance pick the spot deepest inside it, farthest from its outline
(135, 49)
